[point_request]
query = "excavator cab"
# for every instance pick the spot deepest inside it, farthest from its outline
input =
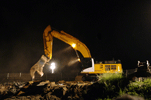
(86, 62)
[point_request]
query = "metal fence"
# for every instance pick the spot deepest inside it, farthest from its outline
(10, 77)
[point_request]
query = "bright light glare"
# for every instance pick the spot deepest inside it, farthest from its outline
(73, 45)
(79, 60)
(52, 67)
(53, 64)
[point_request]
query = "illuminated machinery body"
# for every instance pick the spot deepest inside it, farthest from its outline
(79, 46)
(74, 42)
(106, 67)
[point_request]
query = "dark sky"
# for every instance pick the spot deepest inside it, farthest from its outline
(119, 29)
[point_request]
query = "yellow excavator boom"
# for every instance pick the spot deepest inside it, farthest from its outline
(74, 42)
(77, 45)
(48, 43)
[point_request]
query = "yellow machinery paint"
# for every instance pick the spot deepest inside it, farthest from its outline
(101, 68)
(48, 35)
(98, 68)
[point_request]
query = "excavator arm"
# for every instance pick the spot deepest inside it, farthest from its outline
(74, 42)
(48, 35)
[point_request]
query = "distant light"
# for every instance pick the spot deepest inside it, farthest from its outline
(52, 67)
(53, 64)
(79, 60)
(73, 45)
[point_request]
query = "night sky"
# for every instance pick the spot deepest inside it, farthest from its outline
(119, 29)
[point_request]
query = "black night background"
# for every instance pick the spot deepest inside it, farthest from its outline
(119, 29)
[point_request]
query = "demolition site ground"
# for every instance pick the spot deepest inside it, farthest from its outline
(111, 87)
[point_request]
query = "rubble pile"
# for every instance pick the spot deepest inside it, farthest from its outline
(44, 90)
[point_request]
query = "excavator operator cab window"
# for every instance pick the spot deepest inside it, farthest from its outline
(86, 62)
(113, 67)
(107, 67)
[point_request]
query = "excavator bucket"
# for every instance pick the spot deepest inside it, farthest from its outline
(39, 67)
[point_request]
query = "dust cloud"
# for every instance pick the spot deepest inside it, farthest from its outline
(20, 57)
(22, 54)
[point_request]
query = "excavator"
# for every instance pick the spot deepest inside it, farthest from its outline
(90, 70)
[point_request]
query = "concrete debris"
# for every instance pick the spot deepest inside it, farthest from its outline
(43, 83)
(10, 88)
(46, 90)
(42, 90)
